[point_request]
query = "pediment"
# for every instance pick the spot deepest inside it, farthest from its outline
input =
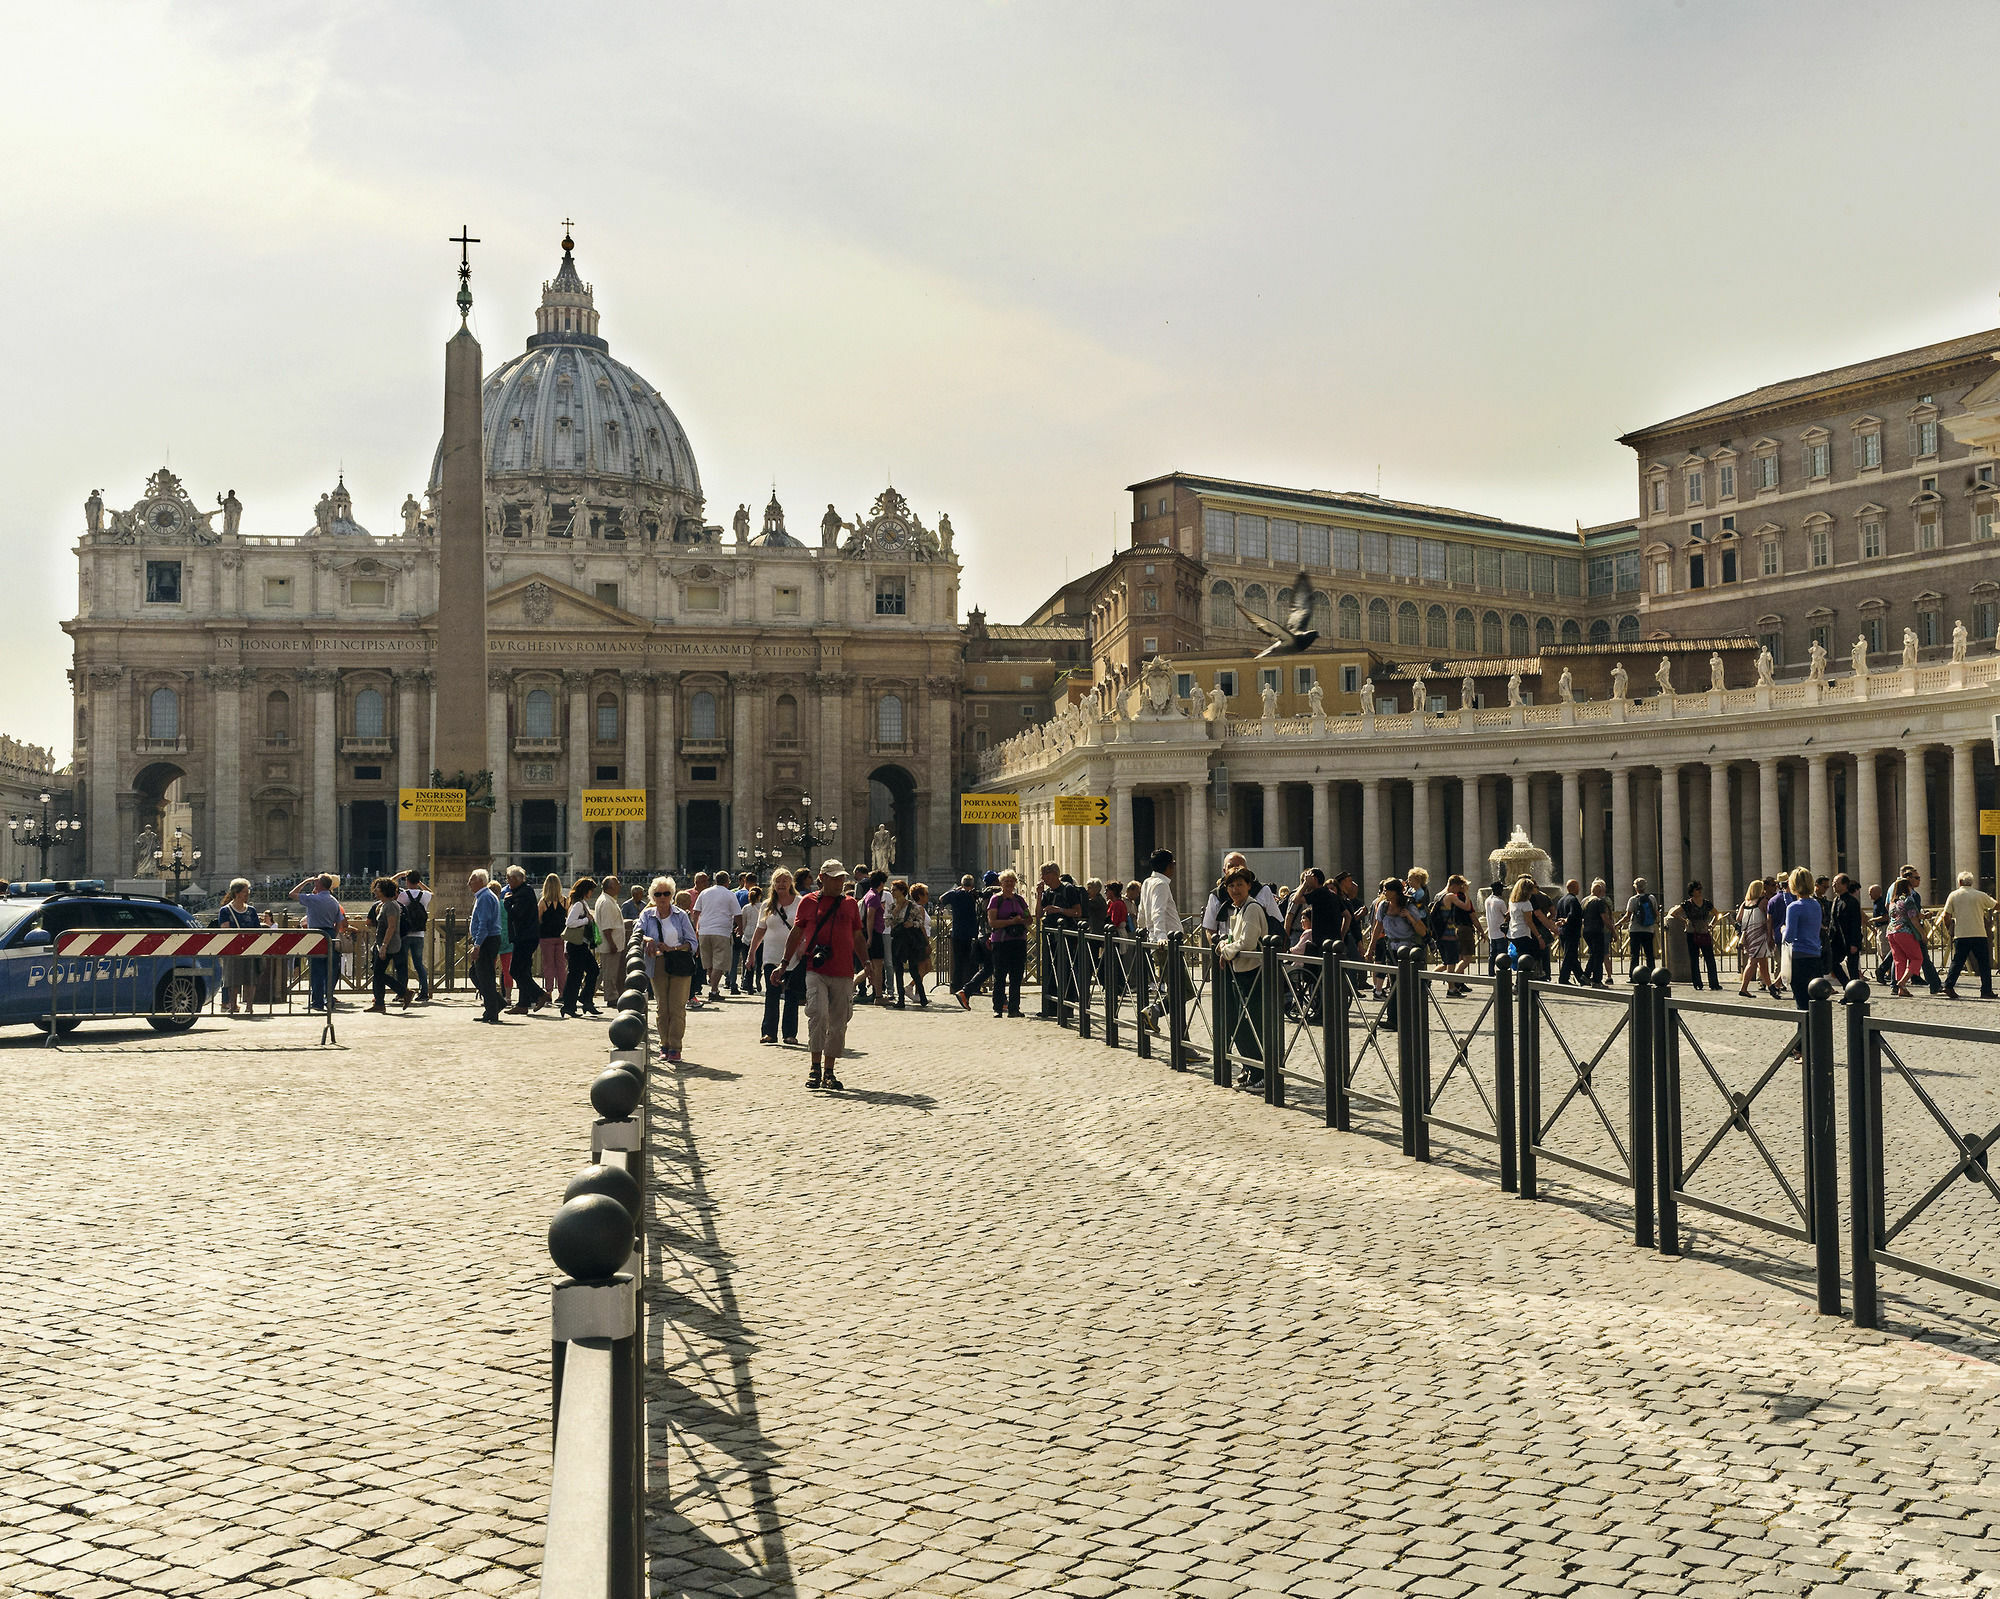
(536, 602)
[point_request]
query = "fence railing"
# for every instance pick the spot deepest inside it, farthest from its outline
(594, 1547)
(1682, 1103)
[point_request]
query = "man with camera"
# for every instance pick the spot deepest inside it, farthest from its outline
(828, 941)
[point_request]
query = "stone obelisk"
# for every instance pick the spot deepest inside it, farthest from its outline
(458, 739)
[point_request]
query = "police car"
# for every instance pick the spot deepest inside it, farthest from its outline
(168, 990)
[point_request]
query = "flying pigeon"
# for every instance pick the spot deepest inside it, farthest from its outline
(1298, 633)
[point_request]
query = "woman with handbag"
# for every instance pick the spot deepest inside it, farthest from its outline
(580, 936)
(904, 919)
(667, 936)
(1241, 950)
(1007, 916)
(782, 990)
(386, 919)
(555, 914)
(239, 972)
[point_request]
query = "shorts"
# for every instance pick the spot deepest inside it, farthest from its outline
(716, 950)
(875, 950)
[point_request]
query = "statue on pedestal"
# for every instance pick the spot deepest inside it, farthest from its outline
(1817, 655)
(1767, 669)
(1368, 696)
(1565, 688)
(741, 523)
(1909, 647)
(1466, 697)
(1420, 693)
(944, 531)
(1218, 706)
(142, 852)
(1859, 655)
(882, 848)
(93, 512)
(1513, 688)
(232, 512)
(1315, 700)
(1715, 671)
(413, 515)
(1664, 677)
(1959, 640)
(829, 528)
(1270, 698)
(1618, 680)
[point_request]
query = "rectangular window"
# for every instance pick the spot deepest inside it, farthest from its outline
(1695, 530)
(1226, 681)
(1252, 538)
(1767, 558)
(163, 582)
(1569, 576)
(1930, 629)
(1697, 571)
(1403, 555)
(1460, 556)
(1927, 531)
(1927, 485)
(1267, 678)
(1818, 462)
(1767, 471)
(1871, 540)
(1867, 451)
(1542, 574)
(1729, 566)
(1434, 563)
(1663, 576)
(1694, 488)
(607, 594)
(1313, 546)
(1184, 685)
(1350, 680)
(1773, 641)
(889, 596)
(1628, 572)
(278, 593)
(1659, 495)
(979, 681)
(1374, 552)
(1871, 630)
(1285, 542)
(1346, 550)
(1514, 565)
(607, 724)
(1489, 569)
(1819, 546)
(1303, 678)
(979, 711)
(1028, 712)
(1027, 680)
(1149, 646)
(704, 597)
(1821, 634)
(1600, 574)
(784, 601)
(1982, 524)
(1923, 437)
(1985, 614)
(1218, 533)
(1729, 524)
(1725, 481)
(367, 774)
(368, 591)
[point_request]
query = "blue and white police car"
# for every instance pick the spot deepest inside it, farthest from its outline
(168, 990)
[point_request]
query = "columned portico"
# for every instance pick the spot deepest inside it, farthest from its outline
(1916, 812)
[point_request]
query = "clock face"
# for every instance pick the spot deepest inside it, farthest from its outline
(163, 515)
(891, 533)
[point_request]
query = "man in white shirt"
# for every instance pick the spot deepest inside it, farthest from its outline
(1218, 902)
(1156, 917)
(609, 915)
(716, 915)
(1968, 909)
(1496, 925)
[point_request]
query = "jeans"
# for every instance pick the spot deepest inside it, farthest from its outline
(1642, 946)
(1010, 965)
(971, 964)
(1599, 946)
(1571, 966)
(529, 991)
(1971, 951)
(319, 974)
(1804, 969)
(778, 996)
(1701, 947)
(486, 976)
(580, 981)
(412, 959)
(388, 974)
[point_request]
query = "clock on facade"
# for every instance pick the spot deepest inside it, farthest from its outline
(163, 516)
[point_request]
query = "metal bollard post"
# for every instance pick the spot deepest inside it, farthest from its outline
(1110, 984)
(1406, 1052)
(1820, 1154)
(1864, 1154)
(1079, 981)
(1218, 1017)
(1639, 1108)
(1420, 1043)
(1503, 1072)
(1528, 1073)
(1273, 1022)
(1176, 989)
(1335, 1002)
(1666, 1113)
(1141, 985)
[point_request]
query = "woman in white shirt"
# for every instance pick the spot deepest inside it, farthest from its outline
(782, 990)
(581, 939)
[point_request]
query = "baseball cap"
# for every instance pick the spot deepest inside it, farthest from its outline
(832, 869)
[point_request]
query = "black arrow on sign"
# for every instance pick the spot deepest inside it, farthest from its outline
(409, 805)
(1104, 810)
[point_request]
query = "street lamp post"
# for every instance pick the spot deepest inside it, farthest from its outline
(814, 833)
(44, 832)
(181, 859)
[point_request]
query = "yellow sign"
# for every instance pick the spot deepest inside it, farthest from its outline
(975, 809)
(431, 804)
(614, 805)
(1989, 821)
(1083, 810)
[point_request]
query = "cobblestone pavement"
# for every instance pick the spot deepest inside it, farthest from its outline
(278, 1315)
(1023, 1314)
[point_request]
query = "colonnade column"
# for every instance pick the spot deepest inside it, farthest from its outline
(745, 690)
(409, 716)
(850, 844)
(1272, 820)
(500, 836)
(1964, 815)
(1916, 812)
(102, 846)
(1700, 840)
(225, 721)
(1621, 830)
(632, 839)
(1323, 854)
(1193, 872)
(1420, 828)
(578, 684)
(942, 765)
(1468, 830)
(1570, 855)
(1770, 834)
(1721, 843)
(320, 682)
(1518, 795)
(1670, 835)
(1118, 836)
(1820, 856)
(664, 805)
(1373, 845)
(1590, 860)
(1867, 822)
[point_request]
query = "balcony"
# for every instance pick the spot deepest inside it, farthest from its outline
(275, 741)
(538, 746)
(367, 746)
(704, 746)
(163, 746)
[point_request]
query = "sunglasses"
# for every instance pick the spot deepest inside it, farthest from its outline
(663, 894)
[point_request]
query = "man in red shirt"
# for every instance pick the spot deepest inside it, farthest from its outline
(828, 941)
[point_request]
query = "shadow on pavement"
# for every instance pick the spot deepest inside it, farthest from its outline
(710, 1523)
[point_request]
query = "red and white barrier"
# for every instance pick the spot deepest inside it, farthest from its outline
(195, 942)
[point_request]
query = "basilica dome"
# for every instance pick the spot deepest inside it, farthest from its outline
(564, 416)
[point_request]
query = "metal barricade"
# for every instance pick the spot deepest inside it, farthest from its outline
(170, 977)
(1541, 1008)
(1488, 1114)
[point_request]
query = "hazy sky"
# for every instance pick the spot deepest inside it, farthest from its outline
(1017, 255)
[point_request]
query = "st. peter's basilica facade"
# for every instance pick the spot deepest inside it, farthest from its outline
(275, 691)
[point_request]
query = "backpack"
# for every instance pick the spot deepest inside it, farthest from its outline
(415, 916)
(1644, 915)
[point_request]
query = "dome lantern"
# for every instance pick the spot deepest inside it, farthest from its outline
(568, 312)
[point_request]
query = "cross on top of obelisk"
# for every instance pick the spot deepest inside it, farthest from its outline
(464, 240)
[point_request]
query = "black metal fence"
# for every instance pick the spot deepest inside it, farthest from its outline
(1681, 1103)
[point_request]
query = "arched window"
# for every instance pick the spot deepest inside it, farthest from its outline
(1437, 629)
(1545, 633)
(787, 710)
(1600, 631)
(1572, 634)
(701, 716)
(1409, 627)
(278, 717)
(1350, 616)
(1255, 599)
(368, 713)
(1464, 633)
(1322, 612)
(607, 718)
(1628, 630)
(1221, 606)
(163, 714)
(1492, 640)
(1281, 607)
(539, 715)
(1517, 634)
(889, 719)
(1378, 621)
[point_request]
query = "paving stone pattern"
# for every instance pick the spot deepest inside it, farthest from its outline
(1023, 1314)
(278, 1315)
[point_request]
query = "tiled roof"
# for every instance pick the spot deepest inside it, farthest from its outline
(1357, 503)
(1053, 632)
(1840, 377)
